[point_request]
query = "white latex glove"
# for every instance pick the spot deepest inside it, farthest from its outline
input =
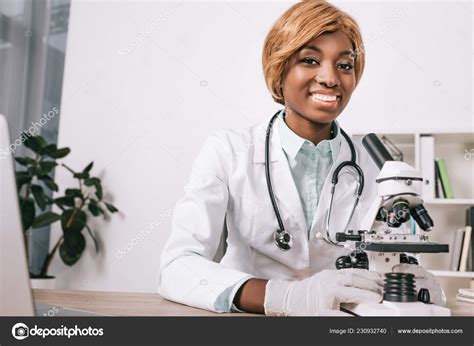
(320, 294)
(423, 279)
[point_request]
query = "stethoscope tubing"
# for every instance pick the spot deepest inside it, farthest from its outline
(335, 177)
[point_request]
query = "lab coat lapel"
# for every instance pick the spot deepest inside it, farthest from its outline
(284, 188)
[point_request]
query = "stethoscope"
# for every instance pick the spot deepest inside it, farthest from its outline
(282, 237)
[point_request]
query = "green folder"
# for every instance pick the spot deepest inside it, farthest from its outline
(444, 177)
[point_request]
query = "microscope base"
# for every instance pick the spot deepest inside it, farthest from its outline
(387, 308)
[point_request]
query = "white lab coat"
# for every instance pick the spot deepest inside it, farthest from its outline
(227, 187)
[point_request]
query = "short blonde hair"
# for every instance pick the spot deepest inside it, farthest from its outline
(300, 24)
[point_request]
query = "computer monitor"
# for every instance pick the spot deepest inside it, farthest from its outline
(15, 292)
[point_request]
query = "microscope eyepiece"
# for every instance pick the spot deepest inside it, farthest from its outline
(376, 149)
(422, 218)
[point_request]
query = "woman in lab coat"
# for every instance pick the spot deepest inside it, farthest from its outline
(312, 55)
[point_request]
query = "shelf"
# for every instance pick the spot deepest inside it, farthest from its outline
(449, 138)
(452, 274)
(450, 201)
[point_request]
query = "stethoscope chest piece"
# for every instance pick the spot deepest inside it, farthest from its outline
(283, 240)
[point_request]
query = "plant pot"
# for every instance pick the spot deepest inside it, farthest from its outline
(43, 282)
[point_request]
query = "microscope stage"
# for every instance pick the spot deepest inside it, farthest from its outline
(418, 247)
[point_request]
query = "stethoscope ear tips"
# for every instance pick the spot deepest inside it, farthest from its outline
(282, 240)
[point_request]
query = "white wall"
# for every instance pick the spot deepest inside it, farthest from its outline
(146, 82)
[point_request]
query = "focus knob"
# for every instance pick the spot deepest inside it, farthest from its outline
(424, 295)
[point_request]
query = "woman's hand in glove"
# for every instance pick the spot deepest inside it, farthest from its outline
(321, 294)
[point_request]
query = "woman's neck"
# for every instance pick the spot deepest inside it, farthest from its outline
(313, 132)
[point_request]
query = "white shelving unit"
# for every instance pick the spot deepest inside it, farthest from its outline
(452, 274)
(448, 214)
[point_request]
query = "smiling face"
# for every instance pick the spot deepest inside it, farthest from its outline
(319, 78)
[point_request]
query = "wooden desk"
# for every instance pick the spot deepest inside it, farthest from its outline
(121, 303)
(460, 308)
(150, 304)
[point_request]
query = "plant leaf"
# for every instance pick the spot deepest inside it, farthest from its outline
(81, 175)
(96, 244)
(22, 178)
(98, 191)
(88, 168)
(55, 153)
(28, 212)
(39, 196)
(94, 208)
(60, 153)
(49, 150)
(33, 171)
(46, 179)
(64, 201)
(79, 219)
(47, 166)
(41, 141)
(74, 193)
(96, 183)
(111, 207)
(46, 219)
(89, 181)
(24, 161)
(72, 247)
(35, 143)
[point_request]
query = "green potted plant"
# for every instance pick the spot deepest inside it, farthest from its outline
(75, 206)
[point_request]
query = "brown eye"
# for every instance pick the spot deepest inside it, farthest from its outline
(309, 60)
(346, 67)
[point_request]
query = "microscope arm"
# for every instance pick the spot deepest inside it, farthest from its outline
(369, 218)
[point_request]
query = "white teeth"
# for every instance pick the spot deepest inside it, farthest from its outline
(324, 97)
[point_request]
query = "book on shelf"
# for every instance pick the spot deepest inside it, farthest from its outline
(465, 249)
(456, 249)
(470, 223)
(465, 295)
(437, 182)
(461, 298)
(467, 292)
(469, 257)
(462, 256)
(444, 178)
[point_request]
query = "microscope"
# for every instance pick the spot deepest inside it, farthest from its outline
(379, 248)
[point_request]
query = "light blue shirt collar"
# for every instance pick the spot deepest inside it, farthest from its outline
(292, 143)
